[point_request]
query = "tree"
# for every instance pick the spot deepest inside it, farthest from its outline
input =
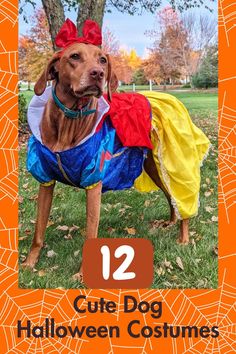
(35, 48)
(139, 77)
(94, 9)
(119, 58)
(110, 43)
(168, 53)
(133, 59)
(202, 32)
(207, 75)
(25, 48)
(151, 69)
(179, 44)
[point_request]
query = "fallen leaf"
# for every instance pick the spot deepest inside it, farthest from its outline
(215, 251)
(54, 268)
(198, 237)
(20, 199)
(111, 230)
(62, 228)
(156, 223)
(50, 223)
(22, 238)
(25, 186)
(83, 232)
(201, 284)
(209, 209)
(122, 211)
(130, 230)
(34, 197)
(51, 254)
(167, 264)
(41, 273)
(127, 206)
(214, 218)
(68, 237)
(179, 263)
(167, 284)
(74, 227)
(160, 271)
(208, 181)
(76, 253)
(147, 203)
(207, 194)
(193, 243)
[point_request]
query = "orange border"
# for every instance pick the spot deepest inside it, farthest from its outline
(202, 307)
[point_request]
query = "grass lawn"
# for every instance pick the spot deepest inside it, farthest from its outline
(127, 209)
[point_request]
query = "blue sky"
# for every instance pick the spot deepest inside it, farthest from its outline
(129, 30)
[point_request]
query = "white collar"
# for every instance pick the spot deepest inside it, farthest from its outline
(36, 109)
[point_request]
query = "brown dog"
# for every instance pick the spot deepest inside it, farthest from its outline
(80, 72)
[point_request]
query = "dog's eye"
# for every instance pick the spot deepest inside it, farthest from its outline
(75, 56)
(103, 60)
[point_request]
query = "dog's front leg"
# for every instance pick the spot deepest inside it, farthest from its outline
(43, 211)
(93, 206)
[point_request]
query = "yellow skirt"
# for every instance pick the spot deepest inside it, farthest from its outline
(179, 148)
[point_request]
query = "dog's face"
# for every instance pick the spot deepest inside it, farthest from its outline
(82, 70)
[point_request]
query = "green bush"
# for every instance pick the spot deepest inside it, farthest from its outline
(207, 75)
(139, 77)
(22, 108)
(186, 86)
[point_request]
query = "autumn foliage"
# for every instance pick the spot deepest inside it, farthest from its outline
(35, 48)
(124, 63)
(178, 47)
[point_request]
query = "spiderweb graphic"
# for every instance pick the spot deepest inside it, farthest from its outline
(227, 17)
(8, 121)
(8, 11)
(227, 156)
(182, 308)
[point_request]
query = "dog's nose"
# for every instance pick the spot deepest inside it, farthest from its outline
(97, 74)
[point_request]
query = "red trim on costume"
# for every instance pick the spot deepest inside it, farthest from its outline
(130, 114)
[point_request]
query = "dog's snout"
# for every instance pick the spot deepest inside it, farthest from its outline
(97, 74)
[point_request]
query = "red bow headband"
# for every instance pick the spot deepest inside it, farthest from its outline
(68, 34)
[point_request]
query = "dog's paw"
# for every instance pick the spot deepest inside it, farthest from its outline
(182, 242)
(31, 260)
(28, 264)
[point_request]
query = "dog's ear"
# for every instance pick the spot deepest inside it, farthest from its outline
(112, 81)
(48, 74)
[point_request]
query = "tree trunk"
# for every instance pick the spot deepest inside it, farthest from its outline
(90, 9)
(55, 15)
